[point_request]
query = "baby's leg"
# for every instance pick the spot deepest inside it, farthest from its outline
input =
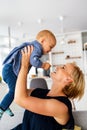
(10, 78)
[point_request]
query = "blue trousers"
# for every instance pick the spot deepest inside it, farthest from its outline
(10, 78)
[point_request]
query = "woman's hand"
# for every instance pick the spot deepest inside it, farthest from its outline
(26, 52)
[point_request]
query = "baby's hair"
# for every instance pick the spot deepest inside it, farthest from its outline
(46, 33)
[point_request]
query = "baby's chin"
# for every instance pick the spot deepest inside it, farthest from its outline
(45, 52)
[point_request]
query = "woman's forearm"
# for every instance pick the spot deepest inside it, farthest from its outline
(21, 85)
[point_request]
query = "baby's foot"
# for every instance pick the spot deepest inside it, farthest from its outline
(1, 113)
(9, 112)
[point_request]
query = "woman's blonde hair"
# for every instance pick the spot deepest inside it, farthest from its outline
(46, 33)
(76, 88)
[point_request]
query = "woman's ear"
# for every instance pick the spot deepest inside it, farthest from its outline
(69, 79)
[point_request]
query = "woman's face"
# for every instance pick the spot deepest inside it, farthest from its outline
(62, 73)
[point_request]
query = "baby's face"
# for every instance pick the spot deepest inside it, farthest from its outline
(48, 45)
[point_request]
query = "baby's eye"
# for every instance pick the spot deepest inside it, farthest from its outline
(63, 67)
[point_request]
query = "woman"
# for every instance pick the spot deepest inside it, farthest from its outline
(49, 109)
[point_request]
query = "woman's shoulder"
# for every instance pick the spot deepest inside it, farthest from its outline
(65, 100)
(42, 93)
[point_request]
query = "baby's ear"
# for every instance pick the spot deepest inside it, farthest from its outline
(42, 39)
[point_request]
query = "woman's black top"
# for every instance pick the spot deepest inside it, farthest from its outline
(33, 121)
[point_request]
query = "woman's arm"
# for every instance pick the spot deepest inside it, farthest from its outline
(21, 84)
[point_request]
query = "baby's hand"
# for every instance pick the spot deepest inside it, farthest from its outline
(46, 66)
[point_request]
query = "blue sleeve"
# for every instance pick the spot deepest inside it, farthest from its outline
(35, 58)
(15, 50)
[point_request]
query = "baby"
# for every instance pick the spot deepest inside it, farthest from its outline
(45, 41)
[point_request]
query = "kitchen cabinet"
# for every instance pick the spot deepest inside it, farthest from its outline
(69, 48)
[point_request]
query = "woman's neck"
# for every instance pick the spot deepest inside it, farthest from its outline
(55, 91)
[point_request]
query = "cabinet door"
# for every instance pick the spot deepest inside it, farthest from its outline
(68, 49)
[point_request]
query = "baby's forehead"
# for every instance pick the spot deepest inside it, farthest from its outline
(52, 38)
(52, 42)
(52, 45)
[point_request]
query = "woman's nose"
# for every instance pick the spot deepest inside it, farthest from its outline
(56, 67)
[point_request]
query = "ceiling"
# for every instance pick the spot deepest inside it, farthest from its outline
(24, 18)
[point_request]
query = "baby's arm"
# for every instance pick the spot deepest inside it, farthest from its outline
(36, 62)
(35, 58)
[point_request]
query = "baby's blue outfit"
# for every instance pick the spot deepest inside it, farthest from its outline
(11, 67)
